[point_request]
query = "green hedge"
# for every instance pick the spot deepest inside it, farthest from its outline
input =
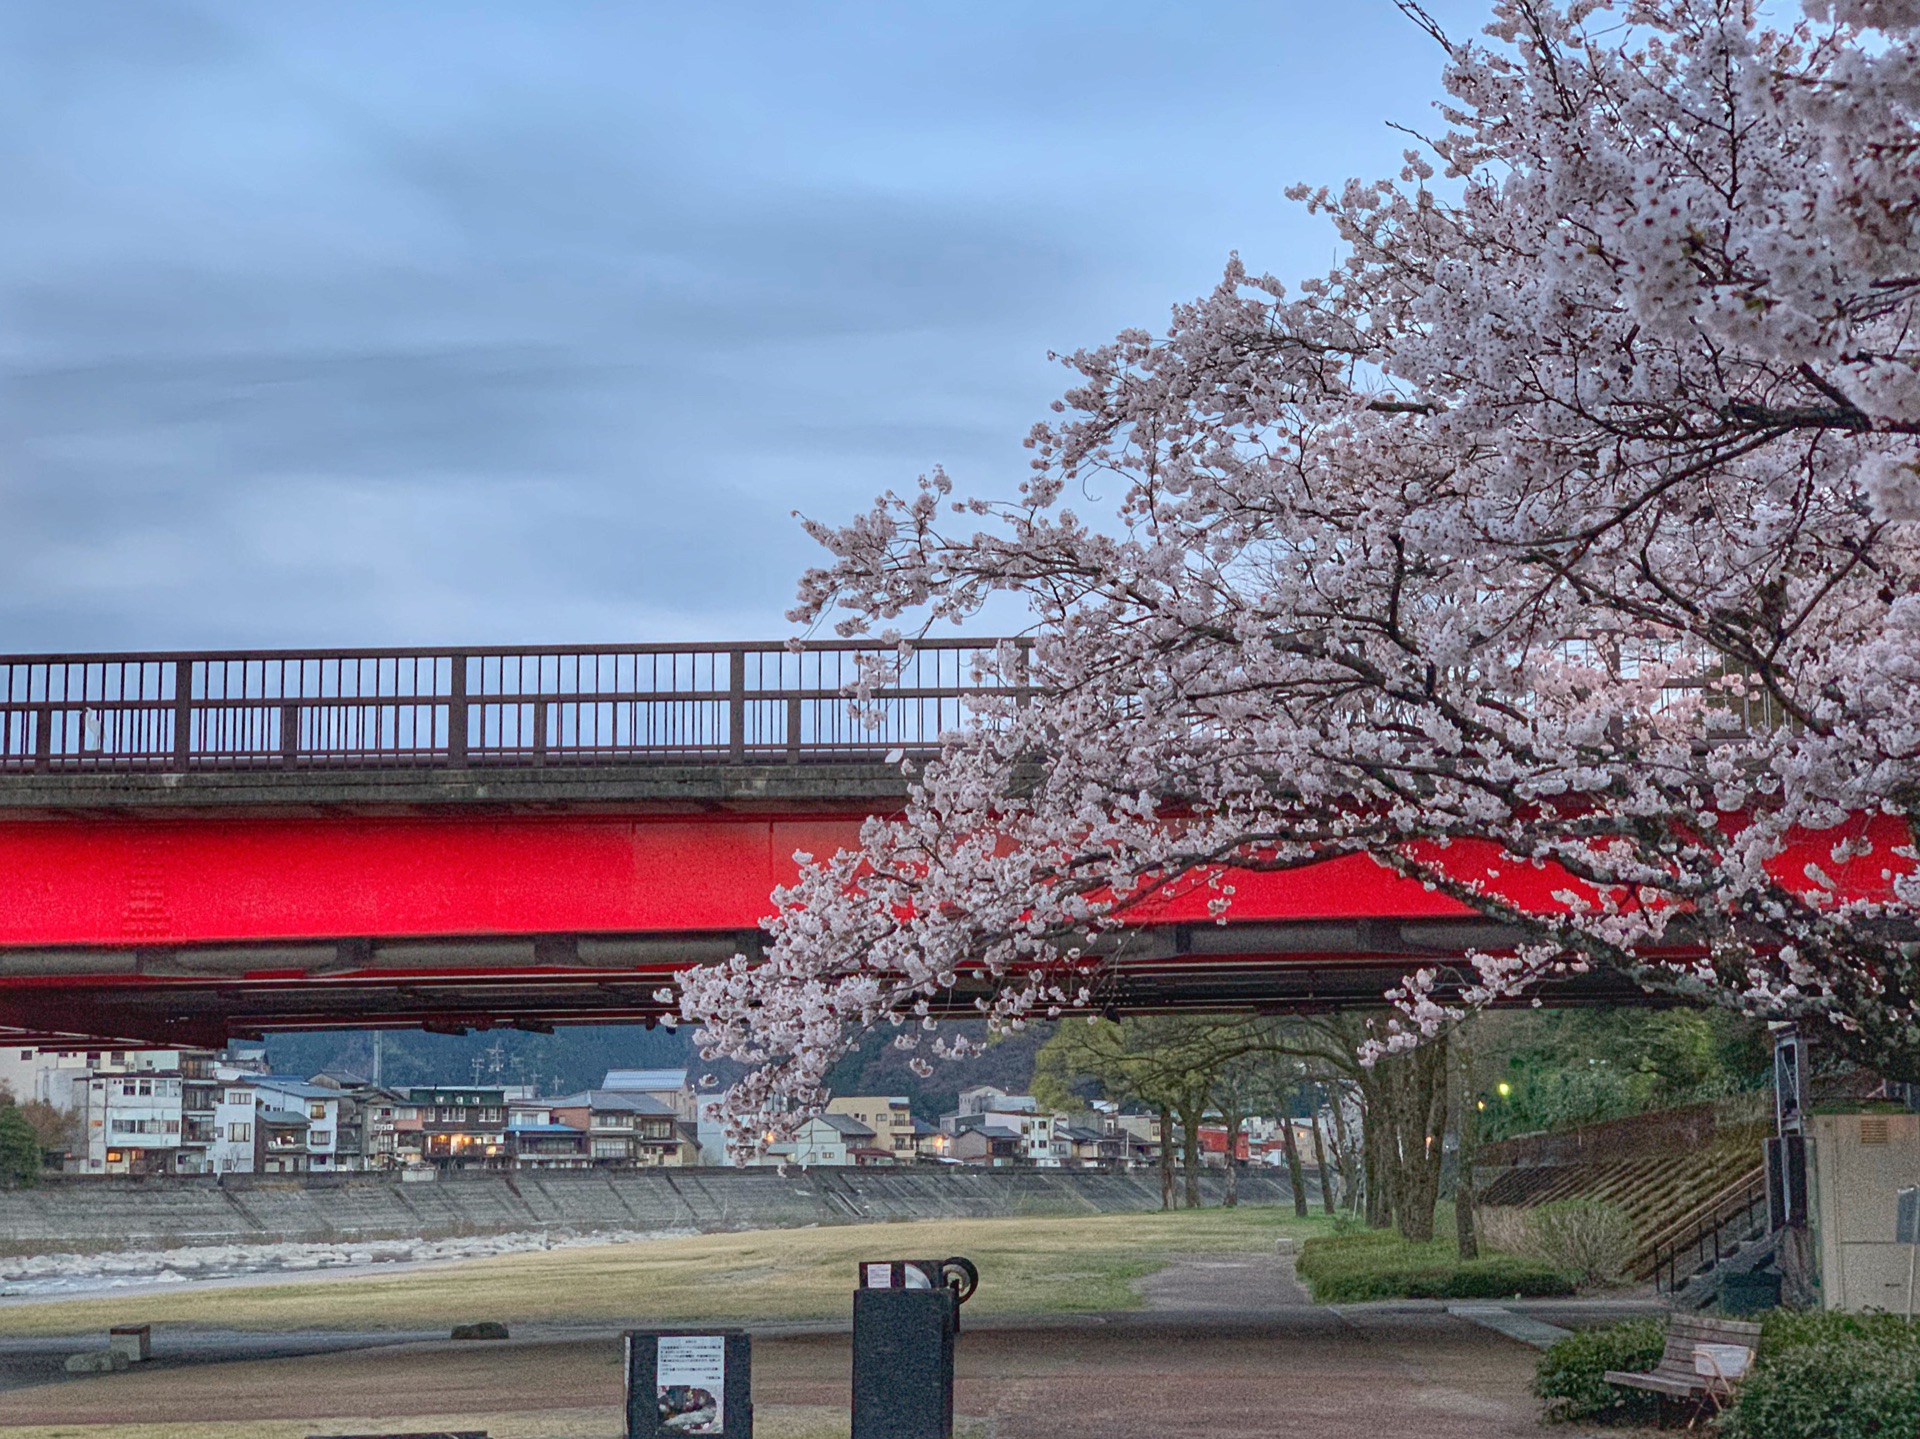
(1351, 1268)
(1819, 1376)
(1830, 1376)
(1568, 1376)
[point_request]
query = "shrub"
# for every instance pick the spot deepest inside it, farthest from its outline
(1830, 1376)
(1586, 1238)
(1569, 1374)
(1349, 1269)
(1502, 1226)
(19, 1150)
(1842, 1390)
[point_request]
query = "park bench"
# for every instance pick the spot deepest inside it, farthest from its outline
(1703, 1360)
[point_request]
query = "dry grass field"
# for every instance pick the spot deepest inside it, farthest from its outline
(597, 1422)
(1033, 1266)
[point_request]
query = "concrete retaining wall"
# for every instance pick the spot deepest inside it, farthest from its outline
(95, 1214)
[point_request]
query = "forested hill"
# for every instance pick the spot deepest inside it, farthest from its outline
(577, 1058)
(567, 1060)
(878, 1068)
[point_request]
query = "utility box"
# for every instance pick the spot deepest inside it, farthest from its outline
(133, 1340)
(689, 1382)
(906, 1322)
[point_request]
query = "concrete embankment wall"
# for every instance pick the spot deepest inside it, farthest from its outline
(95, 1214)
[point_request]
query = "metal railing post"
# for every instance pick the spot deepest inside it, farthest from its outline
(793, 729)
(539, 732)
(457, 710)
(289, 733)
(182, 713)
(736, 705)
(43, 737)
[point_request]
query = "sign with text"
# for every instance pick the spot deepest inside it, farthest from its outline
(689, 1384)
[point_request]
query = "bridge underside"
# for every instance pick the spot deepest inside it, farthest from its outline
(206, 995)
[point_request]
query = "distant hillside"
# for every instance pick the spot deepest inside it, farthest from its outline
(879, 1068)
(573, 1059)
(558, 1063)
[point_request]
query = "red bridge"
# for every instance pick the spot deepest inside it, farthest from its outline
(197, 846)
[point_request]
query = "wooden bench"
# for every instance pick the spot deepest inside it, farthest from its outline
(1687, 1370)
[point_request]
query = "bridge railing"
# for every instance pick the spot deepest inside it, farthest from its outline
(538, 705)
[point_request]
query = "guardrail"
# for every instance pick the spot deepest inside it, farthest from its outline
(1732, 1218)
(457, 707)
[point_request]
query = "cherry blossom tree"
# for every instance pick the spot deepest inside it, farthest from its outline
(1573, 514)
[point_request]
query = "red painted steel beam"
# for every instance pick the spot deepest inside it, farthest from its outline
(134, 883)
(145, 883)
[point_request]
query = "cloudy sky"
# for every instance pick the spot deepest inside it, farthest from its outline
(432, 322)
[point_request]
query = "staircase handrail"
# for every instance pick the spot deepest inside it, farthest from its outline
(1703, 1226)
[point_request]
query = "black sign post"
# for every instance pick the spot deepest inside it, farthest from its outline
(689, 1384)
(906, 1320)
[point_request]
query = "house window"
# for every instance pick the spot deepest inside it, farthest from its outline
(173, 1126)
(240, 1133)
(316, 1111)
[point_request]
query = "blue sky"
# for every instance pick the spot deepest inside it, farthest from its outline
(460, 323)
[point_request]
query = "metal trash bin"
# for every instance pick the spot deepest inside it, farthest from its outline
(1751, 1293)
(906, 1320)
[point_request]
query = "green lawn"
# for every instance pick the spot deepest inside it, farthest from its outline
(1378, 1264)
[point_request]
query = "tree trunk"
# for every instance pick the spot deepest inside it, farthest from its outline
(1231, 1199)
(1295, 1175)
(1406, 1126)
(1467, 1130)
(1375, 1166)
(1423, 1138)
(1191, 1113)
(1166, 1157)
(1343, 1149)
(1320, 1152)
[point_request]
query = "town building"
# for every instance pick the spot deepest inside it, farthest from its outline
(889, 1117)
(235, 1122)
(319, 1106)
(1042, 1140)
(988, 1098)
(626, 1128)
(829, 1140)
(456, 1126)
(279, 1139)
(536, 1139)
(668, 1086)
(990, 1146)
(133, 1121)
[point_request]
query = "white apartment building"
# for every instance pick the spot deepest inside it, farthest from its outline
(232, 1147)
(58, 1077)
(991, 1099)
(133, 1121)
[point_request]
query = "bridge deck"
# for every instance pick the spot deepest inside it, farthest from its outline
(200, 844)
